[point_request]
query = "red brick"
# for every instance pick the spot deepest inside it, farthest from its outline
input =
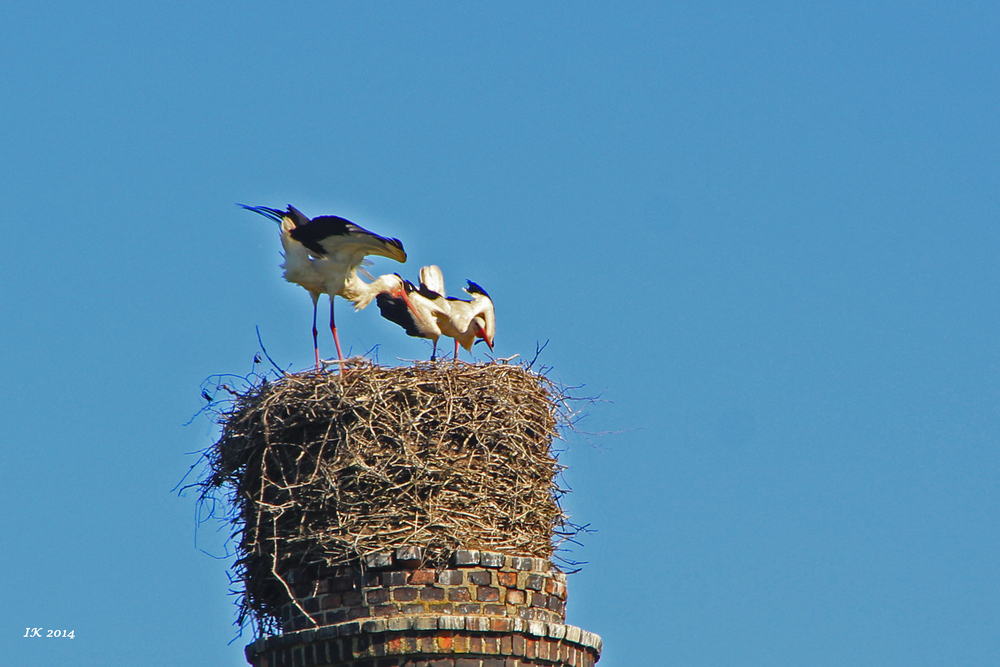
(502, 625)
(487, 594)
(515, 597)
(460, 594)
(450, 577)
(544, 649)
(432, 593)
(357, 612)
(377, 596)
(422, 577)
(481, 578)
(407, 594)
(508, 579)
(556, 588)
(393, 578)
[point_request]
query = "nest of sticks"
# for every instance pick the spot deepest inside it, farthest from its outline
(324, 469)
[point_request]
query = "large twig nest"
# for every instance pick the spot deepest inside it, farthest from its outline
(324, 468)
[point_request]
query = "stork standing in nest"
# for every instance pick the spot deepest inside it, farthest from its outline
(324, 254)
(427, 313)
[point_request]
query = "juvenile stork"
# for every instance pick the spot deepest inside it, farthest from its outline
(323, 255)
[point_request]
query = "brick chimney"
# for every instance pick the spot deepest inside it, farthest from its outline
(485, 610)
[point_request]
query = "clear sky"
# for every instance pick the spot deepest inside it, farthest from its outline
(766, 233)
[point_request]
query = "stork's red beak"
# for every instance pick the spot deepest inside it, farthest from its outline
(482, 334)
(406, 299)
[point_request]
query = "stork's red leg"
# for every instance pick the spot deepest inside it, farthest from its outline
(315, 298)
(333, 328)
(456, 349)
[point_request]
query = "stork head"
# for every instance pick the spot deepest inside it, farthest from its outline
(482, 334)
(392, 283)
(485, 325)
(406, 288)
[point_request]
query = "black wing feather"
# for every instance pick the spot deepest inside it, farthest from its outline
(271, 213)
(476, 289)
(395, 311)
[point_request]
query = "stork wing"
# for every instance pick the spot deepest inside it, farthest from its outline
(363, 270)
(395, 310)
(432, 278)
(419, 318)
(333, 237)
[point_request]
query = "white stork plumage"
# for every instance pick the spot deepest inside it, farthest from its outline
(428, 313)
(471, 319)
(323, 255)
(415, 310)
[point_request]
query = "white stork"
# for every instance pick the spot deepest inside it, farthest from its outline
(428, 313)
(323, 255)
(414, 310)
(471, 319)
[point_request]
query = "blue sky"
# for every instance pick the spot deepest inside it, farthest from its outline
(766, 235)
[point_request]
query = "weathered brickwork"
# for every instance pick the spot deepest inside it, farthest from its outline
(455, 642)
(390, 585)
(484, 610)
